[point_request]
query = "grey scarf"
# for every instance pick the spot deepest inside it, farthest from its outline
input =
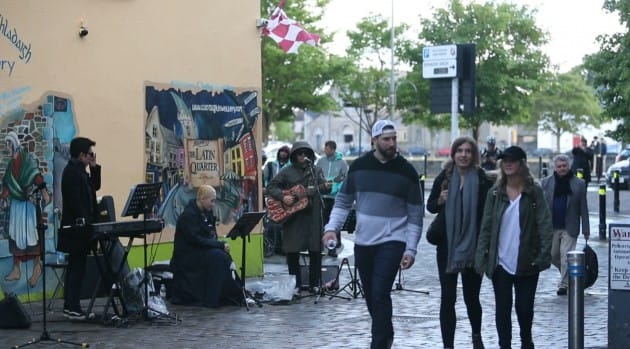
(461, 221)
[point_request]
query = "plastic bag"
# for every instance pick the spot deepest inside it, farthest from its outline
(275, 288)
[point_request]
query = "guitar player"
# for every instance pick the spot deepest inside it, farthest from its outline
(301, 228)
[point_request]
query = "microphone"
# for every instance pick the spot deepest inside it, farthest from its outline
(308, 161)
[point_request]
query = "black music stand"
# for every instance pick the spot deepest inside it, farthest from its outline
(141, 200)
(242, 228)
(354, 285)
(398, 286)
(41, 232)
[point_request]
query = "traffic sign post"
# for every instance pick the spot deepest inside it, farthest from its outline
(451, 69)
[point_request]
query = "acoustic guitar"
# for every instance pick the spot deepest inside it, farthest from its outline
(279, 212)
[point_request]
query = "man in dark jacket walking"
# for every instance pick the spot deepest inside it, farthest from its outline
(80, 180)
(566, 197)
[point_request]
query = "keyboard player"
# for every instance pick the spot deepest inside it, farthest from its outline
(80, 180)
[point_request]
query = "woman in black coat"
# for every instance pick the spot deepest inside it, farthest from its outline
(201, 264)
(459, 191)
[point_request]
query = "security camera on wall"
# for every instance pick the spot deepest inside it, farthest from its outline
(83, 31)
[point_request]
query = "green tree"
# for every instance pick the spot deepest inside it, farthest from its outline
(365, 85)
(296, 80)
(510, 64)
(566, 103)
(608, 72)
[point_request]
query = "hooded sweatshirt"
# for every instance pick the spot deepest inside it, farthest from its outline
(335, 169)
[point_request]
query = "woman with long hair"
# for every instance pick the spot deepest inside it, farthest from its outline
(459, 191)
(514, 244)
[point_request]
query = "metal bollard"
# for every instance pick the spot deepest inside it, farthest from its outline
(426, 162)
(540, 169)
(602, 212)
(575, 263)
(580, 173)
(422, 181)
(616, 191)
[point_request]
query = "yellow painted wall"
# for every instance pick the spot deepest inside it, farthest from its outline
(129, 43)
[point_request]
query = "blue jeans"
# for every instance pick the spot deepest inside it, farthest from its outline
(377, 266)
(524, 294)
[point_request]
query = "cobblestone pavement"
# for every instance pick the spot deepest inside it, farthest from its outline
(340, 323)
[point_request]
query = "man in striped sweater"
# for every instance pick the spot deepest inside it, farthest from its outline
(389, 212)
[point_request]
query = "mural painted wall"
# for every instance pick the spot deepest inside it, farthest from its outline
(201, 136)
(36, 142)
(56, 85)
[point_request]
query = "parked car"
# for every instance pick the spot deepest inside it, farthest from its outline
(446, 151)
(624, 174)
(417, 151)
(623, 155)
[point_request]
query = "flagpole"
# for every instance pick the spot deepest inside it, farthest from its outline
(392, 89)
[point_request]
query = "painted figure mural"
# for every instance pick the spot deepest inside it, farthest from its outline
(21, 179)
(34, 150)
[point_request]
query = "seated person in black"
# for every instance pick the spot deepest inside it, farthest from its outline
(201, 263)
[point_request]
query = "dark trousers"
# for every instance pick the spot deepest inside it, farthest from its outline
(329, 202)
(471, 283)
(377, 267)
(524, 294)
(314, 268)
(75, 274)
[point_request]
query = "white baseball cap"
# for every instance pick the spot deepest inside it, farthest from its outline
(383, 126)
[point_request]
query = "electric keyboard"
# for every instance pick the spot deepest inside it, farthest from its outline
(136, 228)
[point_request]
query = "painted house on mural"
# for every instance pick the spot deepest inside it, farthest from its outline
(163, 106)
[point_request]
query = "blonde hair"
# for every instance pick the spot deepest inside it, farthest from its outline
(205, 190)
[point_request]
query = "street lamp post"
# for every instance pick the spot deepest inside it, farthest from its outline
(392, 83)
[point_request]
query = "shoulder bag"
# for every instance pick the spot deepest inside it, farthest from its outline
(436, 233)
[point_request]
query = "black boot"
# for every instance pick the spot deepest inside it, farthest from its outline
(477, 342)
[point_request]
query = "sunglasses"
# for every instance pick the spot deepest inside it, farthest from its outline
(302, 153)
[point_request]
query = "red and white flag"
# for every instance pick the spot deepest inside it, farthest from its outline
(288, 33)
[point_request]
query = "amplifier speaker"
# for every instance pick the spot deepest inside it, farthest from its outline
(116, 253)
(13, 314)
(92, 275)
(329, 273)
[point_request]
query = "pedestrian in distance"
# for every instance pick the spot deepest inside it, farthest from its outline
(459, 193)
(335, 169)
(582, 160)
(297, 183)
(514, 244)
(273, 167)
(389, 213)
(490, 155)
(566, 197)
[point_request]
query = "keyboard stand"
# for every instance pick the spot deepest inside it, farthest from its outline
(111, 275)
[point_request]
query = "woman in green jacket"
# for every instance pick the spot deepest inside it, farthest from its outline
(514, 244)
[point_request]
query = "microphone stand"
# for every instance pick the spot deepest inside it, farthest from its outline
(41, 234)
(322, 289)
